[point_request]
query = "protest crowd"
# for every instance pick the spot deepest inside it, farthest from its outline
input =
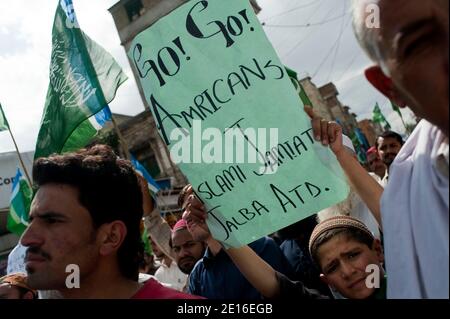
(387, 240)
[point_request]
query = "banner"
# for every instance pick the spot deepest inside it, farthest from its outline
(226, 108)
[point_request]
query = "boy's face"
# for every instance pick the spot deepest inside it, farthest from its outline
(344, 261)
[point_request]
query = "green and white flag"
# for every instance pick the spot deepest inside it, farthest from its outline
(378, 117)
(396, 108)
(20, 205)
(84, 78)
(298, 87)
(3, 122)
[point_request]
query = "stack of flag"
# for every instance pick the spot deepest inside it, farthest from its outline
(84, 79)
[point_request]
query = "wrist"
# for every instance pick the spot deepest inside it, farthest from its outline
(340, 154)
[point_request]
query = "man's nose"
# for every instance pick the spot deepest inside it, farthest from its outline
(347, 270)
(184, 252)
(31, 237)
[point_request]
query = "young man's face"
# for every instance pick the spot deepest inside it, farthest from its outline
(414, 34)
(388, 148)
(60, 233)
(344, 261)
(187, 251)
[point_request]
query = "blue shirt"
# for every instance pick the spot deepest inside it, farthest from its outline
(216, 277)
(304, 268)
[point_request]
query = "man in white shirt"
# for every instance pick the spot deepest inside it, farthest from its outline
(168, 272)
(389, 145)
(410, 49)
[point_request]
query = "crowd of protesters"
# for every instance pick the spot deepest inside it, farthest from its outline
(388, 239)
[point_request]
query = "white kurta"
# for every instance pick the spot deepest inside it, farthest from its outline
(414, 209)
(171, 276)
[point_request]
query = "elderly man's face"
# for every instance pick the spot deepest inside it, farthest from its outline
(414, 37)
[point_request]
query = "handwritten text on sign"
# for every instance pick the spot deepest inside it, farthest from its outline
(208, 65)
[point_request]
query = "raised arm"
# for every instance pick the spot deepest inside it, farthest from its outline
(330, 134)
(257, 271)
(156, 226)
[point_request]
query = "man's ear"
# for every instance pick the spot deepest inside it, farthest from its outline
(112, 236)
(384, 84)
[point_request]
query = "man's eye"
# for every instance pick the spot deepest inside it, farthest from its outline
(417, 45)
(353, 255)
(331, 269)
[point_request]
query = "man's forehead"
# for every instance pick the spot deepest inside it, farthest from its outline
(181, 236)
(55, 198)
(388, 140)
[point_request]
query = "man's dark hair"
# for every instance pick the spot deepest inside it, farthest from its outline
(108, 188)
(390, 134)
(350, 233)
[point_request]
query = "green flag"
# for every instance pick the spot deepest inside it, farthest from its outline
(147, 246)
(298, 87)
(83, 80)
(3, 122)
(378, 117)
(396, 108)
(20, 205)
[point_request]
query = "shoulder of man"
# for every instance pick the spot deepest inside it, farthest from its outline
(268, 250)
(194, 280)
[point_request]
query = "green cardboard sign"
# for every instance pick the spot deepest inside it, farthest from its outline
(208, 72)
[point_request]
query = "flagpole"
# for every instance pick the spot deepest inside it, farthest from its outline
(20, 158)
(404, 125)
(122, 141)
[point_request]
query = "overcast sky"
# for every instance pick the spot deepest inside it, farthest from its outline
(305, 33)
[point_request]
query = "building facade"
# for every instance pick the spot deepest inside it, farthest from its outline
(328, 106)
(370, 130)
